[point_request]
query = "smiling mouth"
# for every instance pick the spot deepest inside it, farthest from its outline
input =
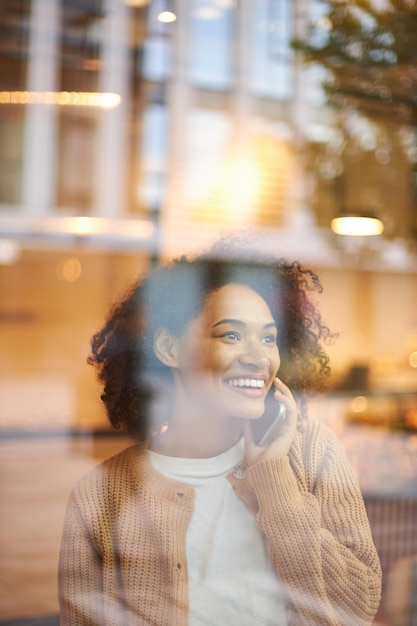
(246, 383)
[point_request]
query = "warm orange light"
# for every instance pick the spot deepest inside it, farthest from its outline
(83, 226)
(137, 3)
(242, 186)
(69, 269)
(62, 98)
(350, 225)
(412, 359)
(359, 404)
(410, 418)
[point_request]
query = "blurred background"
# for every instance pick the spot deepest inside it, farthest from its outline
(132, 131)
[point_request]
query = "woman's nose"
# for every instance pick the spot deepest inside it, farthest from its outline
(253, 357)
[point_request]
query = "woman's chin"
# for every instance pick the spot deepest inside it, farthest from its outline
(253, 414)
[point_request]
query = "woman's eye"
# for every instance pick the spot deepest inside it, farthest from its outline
(231, 334)
(269, 339)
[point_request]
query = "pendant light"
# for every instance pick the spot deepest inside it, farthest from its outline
(168, 14)
(357, 224)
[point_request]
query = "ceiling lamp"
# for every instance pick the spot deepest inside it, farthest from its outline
(350, 224)
(168, 15)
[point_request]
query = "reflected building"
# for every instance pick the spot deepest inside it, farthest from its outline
(125, 139)
(112, 113)
(207, 123)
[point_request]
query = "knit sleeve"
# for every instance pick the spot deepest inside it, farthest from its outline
(79, 573)
(319, 537)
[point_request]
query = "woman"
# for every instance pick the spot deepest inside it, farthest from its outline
(198, 524)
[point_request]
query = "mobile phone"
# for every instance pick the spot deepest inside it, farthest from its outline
(263, 428)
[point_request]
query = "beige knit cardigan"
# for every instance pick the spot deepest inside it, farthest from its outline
(123, 558)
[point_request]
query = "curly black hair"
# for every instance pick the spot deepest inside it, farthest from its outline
(172, 295)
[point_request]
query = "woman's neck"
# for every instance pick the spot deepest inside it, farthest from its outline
(195, 438)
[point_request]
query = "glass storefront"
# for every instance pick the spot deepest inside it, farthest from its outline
(126, 140)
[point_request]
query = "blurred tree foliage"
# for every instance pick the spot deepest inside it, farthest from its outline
(369, 50)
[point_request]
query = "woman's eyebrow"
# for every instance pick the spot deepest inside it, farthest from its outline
(236, 322)
(228, 320)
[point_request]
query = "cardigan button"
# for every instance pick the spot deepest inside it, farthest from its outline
(239, 471)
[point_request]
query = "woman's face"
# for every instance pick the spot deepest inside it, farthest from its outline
(228, 356)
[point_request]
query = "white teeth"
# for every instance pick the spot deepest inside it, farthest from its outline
(247, 382)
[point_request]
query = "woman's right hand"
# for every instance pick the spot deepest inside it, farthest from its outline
(284, 434)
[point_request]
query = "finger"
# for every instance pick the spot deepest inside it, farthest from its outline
(289, 422)
(279, 382)
(281, 387)
(282, 393)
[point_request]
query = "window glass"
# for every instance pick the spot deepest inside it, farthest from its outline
(270, 69)
(210, 60)
(79, 54)
(156, 58)
(157, 47)
(153, 156)
(190, 147)
(14, 33)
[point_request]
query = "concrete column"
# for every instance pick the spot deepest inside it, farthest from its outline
(300, 191)
(242, 104)
(111, 184)
(178, 102)
(40, 137)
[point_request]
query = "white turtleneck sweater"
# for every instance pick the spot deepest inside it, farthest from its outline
(231, 579)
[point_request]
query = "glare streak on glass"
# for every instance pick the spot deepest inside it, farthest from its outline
(207, 137)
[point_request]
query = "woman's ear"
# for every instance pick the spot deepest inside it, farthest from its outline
(165, 346)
